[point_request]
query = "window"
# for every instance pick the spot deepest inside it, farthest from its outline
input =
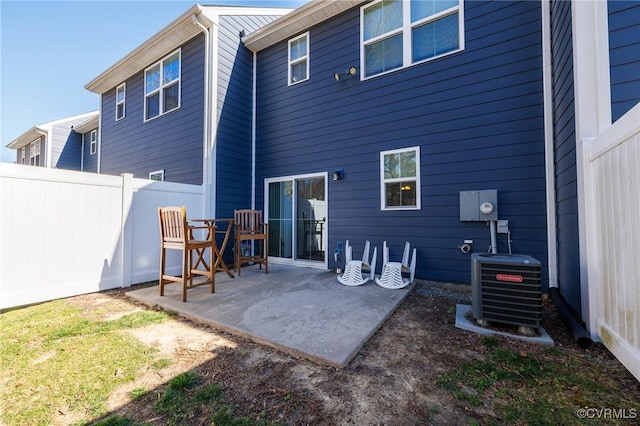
(400, 33)
(120, 98)
(157, 175)
(162, 86)
(93, 141)
(400, 177)
(299, 59)
(34, 153)
(23, 155)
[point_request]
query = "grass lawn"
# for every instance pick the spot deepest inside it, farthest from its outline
(62, 361)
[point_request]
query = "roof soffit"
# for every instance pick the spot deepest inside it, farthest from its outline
(171, 37)
(299, 20)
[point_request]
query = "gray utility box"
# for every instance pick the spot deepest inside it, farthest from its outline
(479, 206)
(506, 288)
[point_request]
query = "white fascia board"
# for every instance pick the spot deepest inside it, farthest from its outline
(169, 38)
(211, 11)
(90, 124)
(301, 19)
(27, 137)
(42, 129)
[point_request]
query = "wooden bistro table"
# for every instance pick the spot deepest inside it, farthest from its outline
(222, 227)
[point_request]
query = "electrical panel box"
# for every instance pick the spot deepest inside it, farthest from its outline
(479, 206)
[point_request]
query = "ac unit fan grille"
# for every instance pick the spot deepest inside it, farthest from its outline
(507, 292)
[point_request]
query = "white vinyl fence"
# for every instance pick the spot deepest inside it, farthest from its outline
(612, 168)
(65, 233)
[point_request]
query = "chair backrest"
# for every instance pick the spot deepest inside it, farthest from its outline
(248, 221)
(173, 223)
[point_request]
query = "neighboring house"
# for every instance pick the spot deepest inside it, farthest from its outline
(179, 107)
(89, 131)
(365, 120)
(53, 144)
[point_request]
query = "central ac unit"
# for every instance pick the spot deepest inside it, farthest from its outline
(506, 288)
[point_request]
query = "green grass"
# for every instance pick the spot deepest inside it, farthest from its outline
(533, 391)
(53, 358)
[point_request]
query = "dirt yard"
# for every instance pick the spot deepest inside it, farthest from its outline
(393, 380)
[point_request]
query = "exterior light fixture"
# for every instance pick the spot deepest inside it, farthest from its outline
(338, 174)
(346, 74)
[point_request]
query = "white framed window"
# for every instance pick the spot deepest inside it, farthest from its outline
(400, 179)
(34, 153)
(298, 59)
(395, 34)
(157, 175)
(162, 86)
(121, 94)
(93, 142)
(23, 155)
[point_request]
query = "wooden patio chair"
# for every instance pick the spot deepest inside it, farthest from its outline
(249, 227)
(178, 234)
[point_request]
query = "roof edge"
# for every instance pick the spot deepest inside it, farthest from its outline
(306, 16)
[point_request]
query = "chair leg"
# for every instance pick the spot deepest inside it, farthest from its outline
(212, 270)
(236, 256)
(266, 256)
(186, 272)
(162, 266)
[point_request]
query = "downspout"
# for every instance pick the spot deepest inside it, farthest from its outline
(253, 131)
(82, 153)
(578, 332)
(206, 141)
(99, 141)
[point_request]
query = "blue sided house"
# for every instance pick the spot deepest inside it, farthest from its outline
(374, 120)
(56, 144)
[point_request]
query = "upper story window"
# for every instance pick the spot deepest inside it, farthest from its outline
(34, 153)
(23, 155)
(400, 33)
(93, 141)
(299, 59)
(400, 178)
(162, 86)
(120, 100)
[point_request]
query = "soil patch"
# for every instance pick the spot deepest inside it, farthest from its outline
(394, 379)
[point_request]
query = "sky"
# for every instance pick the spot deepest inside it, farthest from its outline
(49, 50)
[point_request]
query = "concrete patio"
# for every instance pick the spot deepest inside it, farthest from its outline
(301, 311)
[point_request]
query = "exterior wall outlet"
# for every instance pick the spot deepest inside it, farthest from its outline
(468, 241)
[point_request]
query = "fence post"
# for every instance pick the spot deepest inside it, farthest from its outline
(126, 231)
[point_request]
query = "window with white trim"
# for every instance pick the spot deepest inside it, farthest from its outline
(395, 34)
(157, 175)
(400, 178)
(93, 142)
(162, 86)
(23, 155)
(121, 93)
(34, 153)
(299, 59)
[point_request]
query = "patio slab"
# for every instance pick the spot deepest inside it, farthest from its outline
(301, 311)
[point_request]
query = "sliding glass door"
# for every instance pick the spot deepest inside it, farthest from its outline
(297, 214)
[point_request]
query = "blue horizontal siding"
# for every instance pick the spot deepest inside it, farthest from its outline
(624, 56)
(566, 194)
(234, 110)
(172, 142)
(90, 161)
(477, 116)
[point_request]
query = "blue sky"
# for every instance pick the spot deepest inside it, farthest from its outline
(49, 50)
